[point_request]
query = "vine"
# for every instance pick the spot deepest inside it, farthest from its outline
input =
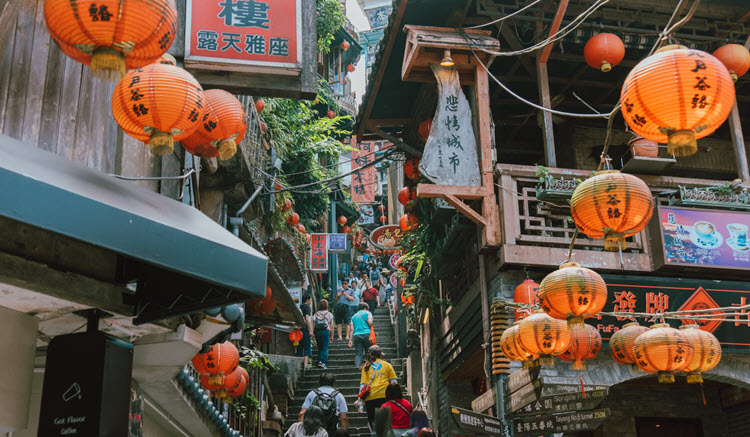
(330, 17)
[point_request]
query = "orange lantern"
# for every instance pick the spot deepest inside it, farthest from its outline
(381, 208)
(585, 344)
(341, 220)
(222, 382)
(424, 129)
(330, 113)
(346, 229)
(707, 352)
(604, 51)
(540, 334)
(238, 389)
(219, 359)
(260, 104)
(158, 104)
(622, 341)
(345, 45)
(662, 350)
(735, 57)
(411, 168)
(406, 195)
(222, 127)
(512, 348)
(293, 218)
(383, 219)
(612, 206)
(286, 205)
(112, 36)
(264, 305)
(676, 96)
(301, 228)
(408, 222)
(573, 293)
(295, 337)
(350, 68)
(527, 293)
(230, 383)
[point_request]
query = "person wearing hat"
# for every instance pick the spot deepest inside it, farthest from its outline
(378, 374)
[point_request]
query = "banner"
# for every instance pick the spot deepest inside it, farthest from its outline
(319, 252)
(364, 180)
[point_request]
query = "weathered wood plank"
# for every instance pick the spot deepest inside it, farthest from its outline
(492, 234)
(740, 152)
(36, 79)
(71, 86)
(81, 149)
(6, 66)
(463, 192)
(22, 53)
(535, 256)
(52, 100)
(8, 13)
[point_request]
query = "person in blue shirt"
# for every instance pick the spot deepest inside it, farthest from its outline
(354, 303)
(361, 324)
(341, 310)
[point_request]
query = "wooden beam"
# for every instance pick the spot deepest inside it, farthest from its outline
(437, 191)
(543, 256)
(465, 209)
(396, 142)
(491, 237)
(740, 152)
(553, 30)
(389, 122)
(548, 129)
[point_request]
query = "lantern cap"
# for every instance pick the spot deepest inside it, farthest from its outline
(670, 47)
(630, 324)
(690, 326)
(566, 265)
(660, 325)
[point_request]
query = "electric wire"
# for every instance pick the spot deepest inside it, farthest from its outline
(504, 17)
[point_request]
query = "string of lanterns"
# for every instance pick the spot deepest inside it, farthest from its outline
(220, 371)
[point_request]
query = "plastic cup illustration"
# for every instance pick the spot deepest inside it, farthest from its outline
(72, 392)
(738, 233)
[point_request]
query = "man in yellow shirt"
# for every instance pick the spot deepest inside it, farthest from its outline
(378, 374)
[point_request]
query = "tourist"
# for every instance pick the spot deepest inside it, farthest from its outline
(341, 310)
(361, 325)
(370, 297)
(311, 425)
(382, 286)
(382, 424)
(323, 329)
(372, 272)
(305, 349)
(426, 432)
(331, 403)
(378, 374)
(354, 303)
(418, 422)
(401, 409)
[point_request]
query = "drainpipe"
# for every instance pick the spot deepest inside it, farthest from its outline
(237, 221)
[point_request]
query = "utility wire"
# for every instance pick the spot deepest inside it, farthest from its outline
(505, 17)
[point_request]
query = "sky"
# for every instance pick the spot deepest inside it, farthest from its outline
(359, 21)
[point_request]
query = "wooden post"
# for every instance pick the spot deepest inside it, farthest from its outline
(549, 137)
(491, 235)
(735, 127)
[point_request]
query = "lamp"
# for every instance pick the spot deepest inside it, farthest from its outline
(447, 60)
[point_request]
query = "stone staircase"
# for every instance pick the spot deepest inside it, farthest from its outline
(341, 365)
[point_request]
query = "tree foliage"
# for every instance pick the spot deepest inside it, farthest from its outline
(330, 17)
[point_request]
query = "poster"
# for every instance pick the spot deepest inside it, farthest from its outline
(364, 179)
(366, 215)
(337, 243)
(319, 252)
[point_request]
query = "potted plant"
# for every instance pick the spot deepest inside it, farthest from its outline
(731, 195)
(643, 147)
(551, 189)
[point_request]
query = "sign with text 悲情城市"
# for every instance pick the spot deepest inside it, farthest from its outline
(363, 172)
(690, 238)
(636, 294)
(387, 237)
(319, 252)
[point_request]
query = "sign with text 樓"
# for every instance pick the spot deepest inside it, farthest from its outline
(319, 252)
(364, 179)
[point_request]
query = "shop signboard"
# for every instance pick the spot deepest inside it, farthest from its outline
(363, 173)
(690, 239)
(477, 423)
(484, 401)
(636, 294)
(564, 402)
(337, 243)
(394, 281)
(387, 237)
(578, 421)
(522, 397)
(393, 261)
(319, 252)
(366, 215)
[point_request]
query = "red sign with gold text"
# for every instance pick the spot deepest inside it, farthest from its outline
(319, 252)
(363, 179)
(244, 33)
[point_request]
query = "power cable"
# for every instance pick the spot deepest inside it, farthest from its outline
(505, 17)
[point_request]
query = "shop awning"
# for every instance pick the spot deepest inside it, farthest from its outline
(50, 192)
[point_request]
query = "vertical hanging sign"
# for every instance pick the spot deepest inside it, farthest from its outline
(319, 252)
(363, 178)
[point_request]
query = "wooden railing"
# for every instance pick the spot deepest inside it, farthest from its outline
(538, 232)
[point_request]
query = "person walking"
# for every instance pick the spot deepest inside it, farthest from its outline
(382, 286)
(378, 374)
(419, 421)
(382, 425)
(331, 403)
(311, 426)
(323, 329)
(357, 297)
(305, 348)
(341, 311)
(370, 297)
(401, 409)
(361, 325)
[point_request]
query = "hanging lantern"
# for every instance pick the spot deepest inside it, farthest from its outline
(265, 305)
(230, 383)
(381, 208)
(345, 45)
(622, 341)
(168, 59)
(277, 186)
(707, 352)
(222, 127)
(424, 129)
(346, 229)
(604, 51)
(542, 335)
(286, 205)
(309, 239)
(221, 382)
(512, 348)
(585, 344)
(676, 96)
(383, 219)
(112, 36)
(350, 68)
(295, 337)
(301, 228)
(406, 195)
(158, 104)
(527, 293)
(263, 126)
(573, 293)
(237, 391)
(612, 206)
(219, 359)
(341, 220)
(411, 168)
(735, 57)
(662, 350)
(330, 113)
(260, 105)
(293, 218)
(408, 222)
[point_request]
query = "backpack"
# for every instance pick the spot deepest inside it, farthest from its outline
(320, 325)
(327, 403)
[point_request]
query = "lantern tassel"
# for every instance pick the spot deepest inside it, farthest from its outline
(703, 394)
(606, 66)
(583, 389)
(682, 143)
(161, 143)
(575, 322)
(108, 64)
(666, 377)
(227, 149)
(695, 378)
(614, 242)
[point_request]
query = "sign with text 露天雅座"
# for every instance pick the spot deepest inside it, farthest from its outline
(264, 47)
(631, 294)
(319, 252)
(387, 237)
(363, 176)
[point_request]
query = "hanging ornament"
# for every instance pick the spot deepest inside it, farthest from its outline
(221, 382)
(286, 205)
(424, 129)
(612, 206)
(293, 218)
(527, 293)
(408, 222)
(345, 45)
(330, 113)
(263, 126)
(662, 350)
(381, 208)
(540, 334)
(406, 195)
(676, 96)
(383, 219)
(295, 337)
(341, 220)
(622, 341)
(585, 344)
(158, 104)
(222, 127)
(735, 57)
(346, 229)
(219, 359)
(512, 349)
(604, 51)
(260, 105)
(707, 352)
(264, 305)
(237, 391)
(350, 68)
(112, 36)
(301, 228)
(411, 168)
(573, 293)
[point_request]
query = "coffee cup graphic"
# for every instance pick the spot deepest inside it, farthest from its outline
(74, 391)
(738, 233)
(706, 231)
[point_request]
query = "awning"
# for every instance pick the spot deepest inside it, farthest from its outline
(50, 192)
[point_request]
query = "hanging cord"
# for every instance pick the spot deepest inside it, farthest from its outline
(505, 17)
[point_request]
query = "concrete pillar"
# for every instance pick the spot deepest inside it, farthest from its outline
(18, 347)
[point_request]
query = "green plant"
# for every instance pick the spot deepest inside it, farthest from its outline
(330, 17)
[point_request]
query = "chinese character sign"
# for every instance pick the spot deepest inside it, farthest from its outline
(319, 252)
(363, 178)
(387, 237)
(251, 32)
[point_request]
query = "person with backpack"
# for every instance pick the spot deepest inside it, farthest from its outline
(401, 409)
(330, 401)
(361, 326)
(311, 426)
(370, 296)
(323, 329)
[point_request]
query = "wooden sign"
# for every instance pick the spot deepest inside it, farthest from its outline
(559, 423)
(364, 180)
(478, 423)
(520, 378)
(561, 403)
(319, 252)
(559, 389)
(522, 397)
(484, 401)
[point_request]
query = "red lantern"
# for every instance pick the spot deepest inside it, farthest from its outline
(293, 218)
(222, 357)
(424, 129)
(309, 238)
(263, 126)
(222, 128)
(286, 205)
(512, 349)
(381, 208)
(350, 68)
(341, 220)
(265, 305)
(408, 222)
(260, 104)
(345, 45)
(383, 219)
(735, 57)
(330, 113)
(240, 388)
(604, 51)
(406, 195)
(585, 343)
(411, 168)
(277, 186)
(222, 382)
(301, 228)
(346, 229)
(527, 293)
(295, 337)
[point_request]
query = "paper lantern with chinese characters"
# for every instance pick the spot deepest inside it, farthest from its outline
(622, 341)
(237, 391)
(221, 128)
(221, 382)
(604, 51)
(158, 104)
(424, 129)
(295, 337)
(527, 293)
(260, 105)
(612, 206)
(112, 36)
(542, 335)
(286, 205)
(406, 195)
(219, 359)
(585, 344)
(706, 352)
(408, 222)
(411, 168)
(662, 350)
(677, 96)
(512, 348)
(292, 218)
(735, 57)
(229, 383)
(573, 293)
